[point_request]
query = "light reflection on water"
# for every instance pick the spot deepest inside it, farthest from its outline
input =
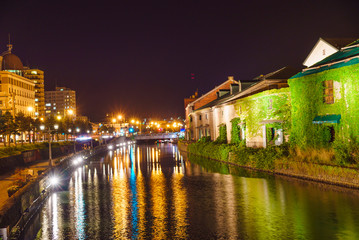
(151, 192)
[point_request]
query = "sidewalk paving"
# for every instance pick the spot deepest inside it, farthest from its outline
(8, 179)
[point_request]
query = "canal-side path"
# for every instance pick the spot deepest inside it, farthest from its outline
(8, 179)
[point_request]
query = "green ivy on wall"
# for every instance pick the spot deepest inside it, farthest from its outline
(270, 104)
(307, 103)
(236, 131)
(222, 138)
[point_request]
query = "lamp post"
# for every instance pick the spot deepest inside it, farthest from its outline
(77, 130)
(42, 128)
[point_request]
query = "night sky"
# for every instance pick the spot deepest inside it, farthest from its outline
(136, 57)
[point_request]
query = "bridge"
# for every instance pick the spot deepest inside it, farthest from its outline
(157, 136)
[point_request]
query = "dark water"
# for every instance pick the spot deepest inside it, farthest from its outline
(152, 192)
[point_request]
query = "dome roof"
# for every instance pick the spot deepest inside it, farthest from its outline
(11, 62)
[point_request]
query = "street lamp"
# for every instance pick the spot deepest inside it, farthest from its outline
(77, 130)
(42, 127)
(56, 127)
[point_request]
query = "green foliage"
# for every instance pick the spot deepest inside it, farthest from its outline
(346, 152)
(222, 138)
(211, 150)
(205, 139)
(236, 131)
(271, 104)
(307, 94)
(261, 158)
(16, 150)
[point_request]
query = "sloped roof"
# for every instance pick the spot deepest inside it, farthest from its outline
(339, 42)
(216, 101)
(340, 55)
(283, 73)
(345, 57)
(252, 86)
(214, 89)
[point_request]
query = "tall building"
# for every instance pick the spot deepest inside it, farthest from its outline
(17, 93)
(37, 76)
(62, 102)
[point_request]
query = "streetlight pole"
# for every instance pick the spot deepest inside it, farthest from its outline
(42, 128)
(50, 153)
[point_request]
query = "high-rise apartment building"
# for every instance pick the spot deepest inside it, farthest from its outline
(62, 102)
(37, 76)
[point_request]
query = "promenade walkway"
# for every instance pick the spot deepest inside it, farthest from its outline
(8, 179)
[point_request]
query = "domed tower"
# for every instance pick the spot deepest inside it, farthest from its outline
(10, 62)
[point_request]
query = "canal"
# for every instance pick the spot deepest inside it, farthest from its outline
(153, 192)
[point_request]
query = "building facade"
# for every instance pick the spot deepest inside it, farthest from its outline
(192, 131)
(253, 112)
(61, 102)
(37, 76)
(17, 93)
(325, 100)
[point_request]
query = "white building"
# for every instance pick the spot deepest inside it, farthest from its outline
(324, 48)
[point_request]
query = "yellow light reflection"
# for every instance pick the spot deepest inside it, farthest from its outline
(180, 206)
(159, 210)
(120, 202)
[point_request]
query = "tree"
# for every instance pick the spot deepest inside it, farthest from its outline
(23, 124)
(7, 126)
(35, 127)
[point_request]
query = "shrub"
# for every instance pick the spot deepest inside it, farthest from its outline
(345, 152)
(210, 150)
(205, 139)
(12, 189)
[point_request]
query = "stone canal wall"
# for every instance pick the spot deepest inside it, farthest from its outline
(21, 160)
(328, 173)
(21, 206)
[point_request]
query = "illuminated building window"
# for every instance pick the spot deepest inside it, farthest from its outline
(328, 92)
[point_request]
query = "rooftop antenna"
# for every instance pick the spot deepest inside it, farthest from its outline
(9, 45)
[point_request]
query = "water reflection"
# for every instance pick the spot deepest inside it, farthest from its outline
(154, 192)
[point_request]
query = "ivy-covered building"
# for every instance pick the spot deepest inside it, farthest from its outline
(263, 110)
(325, 100)
(254, 112)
